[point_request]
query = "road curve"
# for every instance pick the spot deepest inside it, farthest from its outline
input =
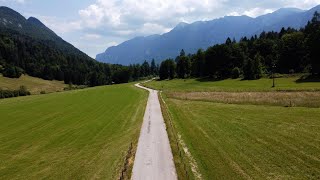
(153, 160)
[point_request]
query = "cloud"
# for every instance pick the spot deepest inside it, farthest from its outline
(13, 1)
(257, 12)
(91, 37)
(58, 25)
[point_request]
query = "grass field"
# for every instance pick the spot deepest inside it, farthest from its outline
(234, 85)
(81, 134)
(248, 141)
(228, 130)
(34, 85)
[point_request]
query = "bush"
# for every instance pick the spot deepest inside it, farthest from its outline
(43, 92)
(1, 68)
(12, 72)
(22, 91)
(235, 73)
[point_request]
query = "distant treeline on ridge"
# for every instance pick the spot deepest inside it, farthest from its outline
(289, 51)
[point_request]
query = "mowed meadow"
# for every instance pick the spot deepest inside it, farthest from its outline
(82, 134)
(237, 129)
(33, 84)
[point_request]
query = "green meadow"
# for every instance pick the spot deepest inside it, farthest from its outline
(82, 134)
(235, 85)
(231, 137)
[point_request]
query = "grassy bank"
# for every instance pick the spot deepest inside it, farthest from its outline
(34, 85)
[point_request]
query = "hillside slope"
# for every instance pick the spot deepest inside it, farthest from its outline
(27, 45)
(34, 85)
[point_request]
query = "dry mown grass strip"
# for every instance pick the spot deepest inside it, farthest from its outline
(288, 99)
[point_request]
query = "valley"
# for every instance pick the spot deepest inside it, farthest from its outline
(186, 95)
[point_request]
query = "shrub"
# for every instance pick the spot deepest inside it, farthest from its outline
(43, 92)
(22, 91)
(12, 72)
(235, 73)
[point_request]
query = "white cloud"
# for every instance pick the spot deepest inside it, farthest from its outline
(257, 12)
(90, 37)
(304, 4)
(59, 25)
(13, 1)
(154, 28)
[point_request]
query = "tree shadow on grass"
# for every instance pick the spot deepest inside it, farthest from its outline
(308, 78)
(209, 79)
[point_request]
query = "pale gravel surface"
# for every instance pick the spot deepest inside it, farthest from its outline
(153, 160)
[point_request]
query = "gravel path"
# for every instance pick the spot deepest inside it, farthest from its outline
(153, 160)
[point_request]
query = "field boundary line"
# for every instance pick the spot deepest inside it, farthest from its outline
(183, 151)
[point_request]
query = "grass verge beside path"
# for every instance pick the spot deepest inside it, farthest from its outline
(82, 134)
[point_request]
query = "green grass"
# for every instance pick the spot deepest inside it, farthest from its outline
(34, 85)
(234, 85)
(249, 141)
(81, 134)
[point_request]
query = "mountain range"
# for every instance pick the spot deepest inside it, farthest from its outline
(202, 34)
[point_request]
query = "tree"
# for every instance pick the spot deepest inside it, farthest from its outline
(198, 64)
(292, 53)
(153, 68)
(167, 69)
(235, 73)
(145, 69)
(253, 68)
(312, 43)
(183, 67)
(12, 72)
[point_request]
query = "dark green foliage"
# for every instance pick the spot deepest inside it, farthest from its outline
(235, 73)
(167, 69)
(312, 32)
(253, 68)
(198, 64)
(183, 67)
(22, 91)
(12, 72)
(153, 68)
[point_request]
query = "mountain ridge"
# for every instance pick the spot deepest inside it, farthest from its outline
(202, 34)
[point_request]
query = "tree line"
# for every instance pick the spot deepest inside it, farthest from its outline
(287, 51)
(50, 60)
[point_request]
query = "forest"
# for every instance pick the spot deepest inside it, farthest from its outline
(286, 52)
(47, 59)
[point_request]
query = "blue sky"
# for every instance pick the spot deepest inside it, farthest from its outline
(94, 25)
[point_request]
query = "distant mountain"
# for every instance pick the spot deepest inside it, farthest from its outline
(202, 34)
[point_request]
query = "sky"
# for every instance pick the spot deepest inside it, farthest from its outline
(94, 25)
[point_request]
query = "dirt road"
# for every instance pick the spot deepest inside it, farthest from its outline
(153, 160)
